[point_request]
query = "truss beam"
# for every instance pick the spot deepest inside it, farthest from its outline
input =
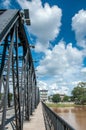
(17, 73)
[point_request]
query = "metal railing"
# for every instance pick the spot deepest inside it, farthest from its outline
(53, 121)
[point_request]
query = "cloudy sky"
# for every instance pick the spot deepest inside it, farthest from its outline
(58, 31)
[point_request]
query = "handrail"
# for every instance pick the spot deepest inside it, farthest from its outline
(53, 121)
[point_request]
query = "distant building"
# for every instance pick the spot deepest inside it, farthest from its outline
(44, 95)
(62, 96)
(50, 98)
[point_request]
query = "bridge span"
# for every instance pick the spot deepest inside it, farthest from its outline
(19, 94)
(17, 73)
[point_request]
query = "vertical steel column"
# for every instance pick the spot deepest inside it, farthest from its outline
(35, 94)
(29, 92)
(7, 81)
(23, 93)
(9, 103)
(32, 98)
(38, 95)
(28, 112)
(33, 86)
(15, 73)
(17, 69)
(27, 87)
(3, 60)
(30, 76)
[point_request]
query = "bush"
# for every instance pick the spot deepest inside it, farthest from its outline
(56, 98)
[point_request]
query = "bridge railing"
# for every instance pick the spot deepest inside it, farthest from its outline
(53, 121)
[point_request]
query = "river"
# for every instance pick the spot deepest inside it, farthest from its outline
(75, 116)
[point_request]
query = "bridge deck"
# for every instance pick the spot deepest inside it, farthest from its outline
(36, 120)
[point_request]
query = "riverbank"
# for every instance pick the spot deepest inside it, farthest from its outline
(64, 104)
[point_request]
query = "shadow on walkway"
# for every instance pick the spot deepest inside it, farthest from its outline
(36, 120)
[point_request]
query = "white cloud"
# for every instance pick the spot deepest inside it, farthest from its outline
(54, 87)
(45, 22)
(60, 90)
(42, 85)
(63, 67)
(75, 83)
(83, 70)
(61, 60)
(79, 26)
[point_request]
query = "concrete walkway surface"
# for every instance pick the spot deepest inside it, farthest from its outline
(36, 120)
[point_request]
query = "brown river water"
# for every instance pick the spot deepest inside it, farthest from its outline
(75, 116)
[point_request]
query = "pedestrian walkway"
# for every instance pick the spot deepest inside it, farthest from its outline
(36, 120)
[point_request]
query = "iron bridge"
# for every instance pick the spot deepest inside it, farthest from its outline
(19, 94)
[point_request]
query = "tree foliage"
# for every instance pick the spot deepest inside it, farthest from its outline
(10, 96)
(79, 93)
(0, 96)
(56, 98)
(66, 98)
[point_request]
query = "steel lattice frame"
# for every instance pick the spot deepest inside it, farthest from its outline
(16, 70)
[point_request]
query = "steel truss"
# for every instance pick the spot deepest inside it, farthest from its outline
(17, 73)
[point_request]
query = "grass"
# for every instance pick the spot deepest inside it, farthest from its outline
(60, 104)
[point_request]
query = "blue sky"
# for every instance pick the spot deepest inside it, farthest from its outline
(58, 31)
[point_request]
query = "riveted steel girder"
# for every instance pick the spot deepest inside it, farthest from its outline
(17, 74)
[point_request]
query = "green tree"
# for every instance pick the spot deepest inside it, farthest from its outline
(56, 98)
(0, 96)
(82, 84)
(10, 95)
(79, 93)
(66, 98)
(83, 99)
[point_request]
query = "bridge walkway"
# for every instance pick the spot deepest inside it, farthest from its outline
(36, 120)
